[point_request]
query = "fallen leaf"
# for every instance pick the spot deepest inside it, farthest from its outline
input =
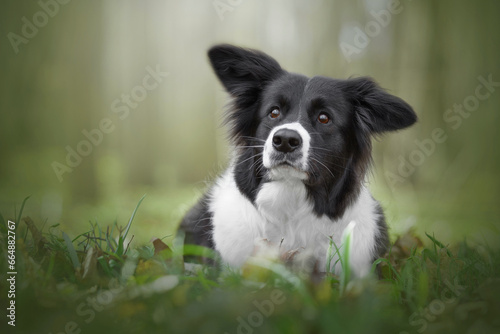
(159, 245)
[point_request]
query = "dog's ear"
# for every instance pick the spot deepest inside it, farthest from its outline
(243, 72)
(376, 110)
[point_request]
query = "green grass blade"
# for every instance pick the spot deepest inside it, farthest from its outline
(119, 250)
(100, 232)
(389, 264)
(108, 243)
(438, 243)
(71, 251)
(337, 252)
(329, 256)
(21, 210)
(132, 217)
(195, 250)
(105, 266)
(78, 236)
(114, 256)
(52, 261)
(347, 237)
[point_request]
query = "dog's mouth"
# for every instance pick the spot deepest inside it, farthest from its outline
(288, 164)
(276, 159)
(285, 164)
(285, 160)
(285, 169)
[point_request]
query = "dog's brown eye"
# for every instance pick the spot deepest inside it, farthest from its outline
(274, 113)
(323, 118)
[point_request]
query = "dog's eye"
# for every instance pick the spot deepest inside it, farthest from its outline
(323, 118)
(275, 112)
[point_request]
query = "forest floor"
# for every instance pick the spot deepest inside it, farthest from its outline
(99, 282)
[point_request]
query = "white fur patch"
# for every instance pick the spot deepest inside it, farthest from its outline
(284, 216)
(306, 143)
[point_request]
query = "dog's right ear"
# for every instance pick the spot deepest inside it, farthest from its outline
(243, 72)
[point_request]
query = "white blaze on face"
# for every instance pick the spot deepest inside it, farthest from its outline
(306, 142)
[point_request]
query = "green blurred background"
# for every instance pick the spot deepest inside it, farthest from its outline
(64, 69)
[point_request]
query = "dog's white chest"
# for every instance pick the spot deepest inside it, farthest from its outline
(283, 215)
(288, 215)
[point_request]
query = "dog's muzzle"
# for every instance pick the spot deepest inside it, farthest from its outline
(287, 146)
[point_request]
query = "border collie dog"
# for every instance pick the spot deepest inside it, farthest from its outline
(302, 149)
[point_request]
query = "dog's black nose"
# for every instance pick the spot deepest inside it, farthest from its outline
(286, 140)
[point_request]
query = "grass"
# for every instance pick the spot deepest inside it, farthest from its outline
(100, 282)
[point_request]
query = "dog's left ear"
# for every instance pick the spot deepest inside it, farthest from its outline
(243, 72)
(376, 110)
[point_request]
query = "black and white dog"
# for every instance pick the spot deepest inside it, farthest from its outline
(302, 149)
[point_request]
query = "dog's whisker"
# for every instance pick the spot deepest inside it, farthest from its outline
(252, 157)
(261, 166)
(253, 138)
(255, 146)
(328, 169)
(255, 163)
(320, 148)
(327, 150)
(333, 163)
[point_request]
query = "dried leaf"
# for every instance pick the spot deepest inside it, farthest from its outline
(159, 245)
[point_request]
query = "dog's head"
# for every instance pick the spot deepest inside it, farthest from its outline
(315, 129)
